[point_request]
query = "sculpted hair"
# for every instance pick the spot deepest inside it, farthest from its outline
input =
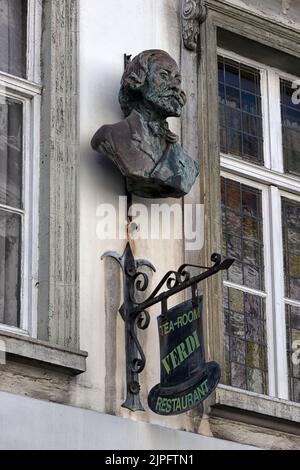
(134, 78)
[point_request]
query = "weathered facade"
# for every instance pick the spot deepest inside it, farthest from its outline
(73, 355)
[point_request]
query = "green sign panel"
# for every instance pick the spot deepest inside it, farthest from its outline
(186, 379)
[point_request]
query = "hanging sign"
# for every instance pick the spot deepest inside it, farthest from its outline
(185, 378)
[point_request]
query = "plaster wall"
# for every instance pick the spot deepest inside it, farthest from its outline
(108, 30)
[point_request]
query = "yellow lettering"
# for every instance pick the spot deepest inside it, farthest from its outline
(191, 315)
(177, 405)
(184, 402)
(196, 314)
(196, 395)
(166, 364)
(190, 400)
(205, 385)
(182, 352)
(164, 404)
(190, 344)
(158, 404)
(196, 339)
(174, 358)
(202, 389)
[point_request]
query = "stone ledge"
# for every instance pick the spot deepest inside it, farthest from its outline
(32, 351)
(230, 397)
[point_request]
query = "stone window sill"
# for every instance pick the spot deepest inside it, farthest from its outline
(241, 405)
(19, 348)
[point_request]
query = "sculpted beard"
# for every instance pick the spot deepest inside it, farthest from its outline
(169, 103)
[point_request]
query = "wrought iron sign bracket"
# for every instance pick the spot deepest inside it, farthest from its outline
(135, 314)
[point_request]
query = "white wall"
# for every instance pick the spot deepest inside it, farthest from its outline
(107, 31)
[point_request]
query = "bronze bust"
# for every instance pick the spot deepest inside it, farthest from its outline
(142, 145)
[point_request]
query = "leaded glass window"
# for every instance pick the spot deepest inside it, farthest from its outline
(11, 150)
(10, 258)
(293, 350)
(240, 111)
(290, 111)
(242, 233)
(13, 36)
(11, 209)
(260, 196)
(245, 318)
(13, 42)
(245, 342)
(291, 246)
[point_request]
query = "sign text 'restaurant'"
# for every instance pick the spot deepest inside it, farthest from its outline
(180, 404)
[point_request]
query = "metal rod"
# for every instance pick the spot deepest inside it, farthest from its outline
(165, 295)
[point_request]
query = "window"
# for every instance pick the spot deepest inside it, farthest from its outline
(19, 130)
(290, 129)
(260, 161)
(240, 111)
(13, 37)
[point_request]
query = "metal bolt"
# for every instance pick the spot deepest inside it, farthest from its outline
(134, 387)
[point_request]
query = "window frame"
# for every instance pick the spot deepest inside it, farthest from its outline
(264, 102)
(54, 111)
(274, 184)
(267, 292)
(28, 92)
(200, 78)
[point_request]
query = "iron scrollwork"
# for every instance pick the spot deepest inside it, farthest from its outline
(135, 313)
(133, 280)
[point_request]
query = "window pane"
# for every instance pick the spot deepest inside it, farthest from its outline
(240, 115)
(291, 244)
(293, 344)
(13, 32)
(245, 341)
(10, 259)
(10, 152)
(290, 112)
(242, 233)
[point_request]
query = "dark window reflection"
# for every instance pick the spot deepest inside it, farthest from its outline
(10, 256)
(240, 112)
(13, 35)
(290, 112)
(293, 343)
(291, 244)
(11, 167)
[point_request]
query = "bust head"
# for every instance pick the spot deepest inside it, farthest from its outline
(142, 146)
(152, 81)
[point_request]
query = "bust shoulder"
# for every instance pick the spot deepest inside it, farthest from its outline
(124, 144)
(110, 133)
